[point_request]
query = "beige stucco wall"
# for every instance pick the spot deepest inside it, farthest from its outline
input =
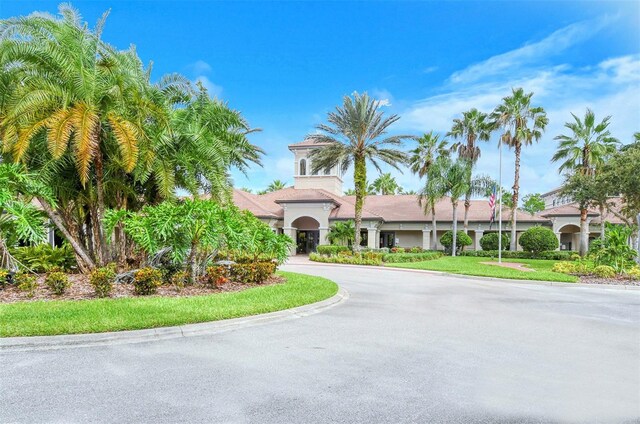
(331, 182)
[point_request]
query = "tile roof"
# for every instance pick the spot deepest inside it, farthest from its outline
(306, 143)
(572, 209)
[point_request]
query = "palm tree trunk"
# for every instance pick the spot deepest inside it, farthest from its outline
(434, 231)
(467, 205)
(360, 182)
(516, 192)
(454, 235)
(101, 245)
(584, 232)
(85, 263)
(602, 226)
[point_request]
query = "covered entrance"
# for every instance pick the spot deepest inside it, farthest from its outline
(307, 235)
(387, 239)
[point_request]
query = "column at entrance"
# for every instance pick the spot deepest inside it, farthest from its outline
(324, 232)
(372, 238)
(478, 236)
(426, 238)
(292, 233)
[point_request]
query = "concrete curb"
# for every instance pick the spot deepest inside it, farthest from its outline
(477, 277)
(16, 344)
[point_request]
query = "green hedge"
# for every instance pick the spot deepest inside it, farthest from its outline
(330, 249)
(554, 255)
(343, 259)
(411, 257)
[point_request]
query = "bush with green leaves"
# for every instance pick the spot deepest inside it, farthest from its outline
(4, 277)
(252, 273)
(614, 250)
(356, 259)
(102, 280)
(330, 249)
(146, 281)
(634, 272)
(44, 257)
(180, 279)
(411, 257)
(462, 240)
(342, 233)
(553, 255)
(58, 282)
(26, 282)
(538, 239)
(604, 271)
(489, 241)
(564, 267)
(198, 230)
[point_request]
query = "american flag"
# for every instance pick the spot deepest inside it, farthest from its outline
(492, 206)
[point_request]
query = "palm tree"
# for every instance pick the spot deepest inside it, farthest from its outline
(421, 160)
(448, 178)
(523, 124)
(385, 184)
(357, 133)
(276, 185)
(350, 192)
(584, 152)
(342, 232)
(474, 126)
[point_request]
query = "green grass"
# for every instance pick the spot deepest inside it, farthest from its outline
(100, 315)
(467, 265)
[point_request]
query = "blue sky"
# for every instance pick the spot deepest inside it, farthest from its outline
(286, 64)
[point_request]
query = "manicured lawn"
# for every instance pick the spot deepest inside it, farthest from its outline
(468, 265)
(100, 315)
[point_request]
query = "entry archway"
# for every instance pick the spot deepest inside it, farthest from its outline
(569, 237)
(307, 234)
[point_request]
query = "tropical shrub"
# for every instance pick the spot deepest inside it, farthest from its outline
(217, 276)
(375, 249)
(411, 257)
(614, 250)
(252, 273)
(342, 232)
(351, 260)
(147, 280)
(462, 240)
(604, 271)
(180, 279)
(330, 249)
(538, 239)
(416, 249)
(490, 241)
(26, 282)
(58, 282)
(397, 250)
(634, 273)
(554, 255)
(564, 267)
(102, 280)
(4, 277)
(43, 257)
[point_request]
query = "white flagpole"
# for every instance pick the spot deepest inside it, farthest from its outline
(500, 204)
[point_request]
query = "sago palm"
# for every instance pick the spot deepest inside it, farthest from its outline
(584, 151)
(473, 127)
(357, 133)
(522, 124)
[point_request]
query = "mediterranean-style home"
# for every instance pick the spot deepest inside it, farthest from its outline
(307, 210)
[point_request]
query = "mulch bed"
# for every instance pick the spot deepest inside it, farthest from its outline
(592, 279)
(81, 289)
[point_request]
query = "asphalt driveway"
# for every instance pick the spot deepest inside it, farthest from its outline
(406, 347)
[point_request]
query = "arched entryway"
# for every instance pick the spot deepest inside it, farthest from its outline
(307, 234)
(569, 237)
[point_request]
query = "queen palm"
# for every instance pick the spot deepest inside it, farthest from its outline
(385, 184)
(448, 178)
(357, 133)
(276, 185)
(522, 124)
(584, 151)
(473, 127)
(430, 147)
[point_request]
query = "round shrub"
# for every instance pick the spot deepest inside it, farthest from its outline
(58, 282)
(27, 283)
(538, 239)
(634, 273)
(147, 280)
(462, 240)
(217, 276)
(564, 268)
(490, 241)
(604, 271)
(102, 280)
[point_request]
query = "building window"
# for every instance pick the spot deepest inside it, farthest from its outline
(303, 167)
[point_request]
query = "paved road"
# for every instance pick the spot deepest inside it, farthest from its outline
(406, 347)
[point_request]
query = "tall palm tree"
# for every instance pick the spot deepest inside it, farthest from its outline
(584, 151)
(421, 160)
(449, 178)
(473, 127)
(357, 133)
(385, 184)
(276, 185)
(522, 124)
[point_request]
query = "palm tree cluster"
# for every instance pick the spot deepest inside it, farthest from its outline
(86, 118)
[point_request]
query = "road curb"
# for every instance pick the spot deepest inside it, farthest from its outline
(16, 344)
(477, 277)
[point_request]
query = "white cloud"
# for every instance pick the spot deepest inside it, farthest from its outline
(383, 96)
(429, 69)
(213, 89)
(200, 67)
